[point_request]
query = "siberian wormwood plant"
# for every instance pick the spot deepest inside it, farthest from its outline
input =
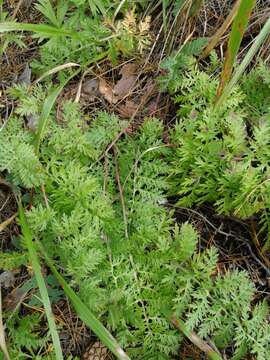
(101, 216)
(221, 155)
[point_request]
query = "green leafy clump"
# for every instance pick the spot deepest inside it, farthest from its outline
(18, 157)
(85, 31)
(103, 219)
(221, 155)
(28, 337)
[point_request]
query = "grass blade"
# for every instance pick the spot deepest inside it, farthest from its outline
(195, 8)
(85, 314)
(246, 61)
(164, 15)
(3, 345)
(46, 31)
(33, 257)
(219, 33)
(46, 110)
(196, 340)
(55, 70)
(238, 29)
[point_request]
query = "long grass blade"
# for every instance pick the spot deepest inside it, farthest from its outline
(46, 110)
(238, 29)
(55, 70)
(3, 345)
(195, 8)
(85, 314)
(46, 31)
(245, 62)
(219, 33)
(34, 260)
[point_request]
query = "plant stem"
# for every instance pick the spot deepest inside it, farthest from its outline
(237, 33)
(216, 37)
(196, 340)
(246, 61)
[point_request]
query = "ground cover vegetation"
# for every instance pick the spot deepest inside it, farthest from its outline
(93, 190)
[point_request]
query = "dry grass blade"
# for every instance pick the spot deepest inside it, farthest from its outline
(5, 223)
(3, 345)
(238, 29)
(196, 340)
(46, 110)
(219, 33)
(56, 69)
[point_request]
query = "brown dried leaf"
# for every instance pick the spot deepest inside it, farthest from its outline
(91, 87)
(124, 85)
(5, 223)
(127, 81)
(127, 109)
(107, 92)
(14, 299)
(128, 70)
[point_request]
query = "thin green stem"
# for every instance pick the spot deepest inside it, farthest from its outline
(246, 61)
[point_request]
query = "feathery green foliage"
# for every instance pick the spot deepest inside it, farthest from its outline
(221, 154)
(28, 337)
(130, 264)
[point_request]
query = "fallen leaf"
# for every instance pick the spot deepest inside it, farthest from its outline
(127, 109)
(127, 81)
(107, 92)
(124, 85)
(5, 223)
(14, 299)
(128, 70)
(7, 279)
(91, 87)
(25, 77)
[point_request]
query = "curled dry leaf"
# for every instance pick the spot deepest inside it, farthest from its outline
(91, 87)
(128, 70)
(107, 92)
(127, 81)
(14, 299)
(127, 109)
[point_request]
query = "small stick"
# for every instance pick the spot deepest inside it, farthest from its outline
(3, 344)
(16, 10)
(216, 37)
(7, 222)
(196, 340)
